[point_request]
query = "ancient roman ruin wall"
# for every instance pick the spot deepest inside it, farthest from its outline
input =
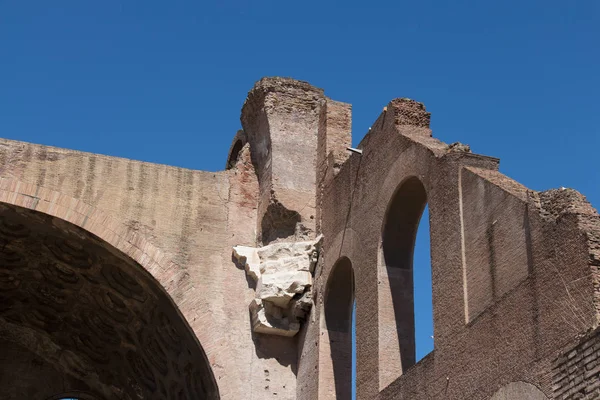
(576, 373)
(239, 257)
(514, 271)
(180, 225)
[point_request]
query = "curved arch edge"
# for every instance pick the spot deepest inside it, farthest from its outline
(94, 221)
(101, 224)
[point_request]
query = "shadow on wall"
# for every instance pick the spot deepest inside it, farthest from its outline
(339, 302)
(234, 154)
(397, 290)
(280, 348)
(86, 298)
(279, 223)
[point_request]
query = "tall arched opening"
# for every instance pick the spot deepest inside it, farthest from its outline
(336, 340)
(396, 286)
(77, 316)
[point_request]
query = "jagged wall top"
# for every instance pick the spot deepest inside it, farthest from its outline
(281, 120)
(292, 88)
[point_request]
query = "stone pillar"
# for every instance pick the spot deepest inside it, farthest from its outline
(281, 120)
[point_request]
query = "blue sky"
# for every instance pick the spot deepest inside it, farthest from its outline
(164, 81)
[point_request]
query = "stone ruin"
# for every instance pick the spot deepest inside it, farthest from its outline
(283, 274)
(122, 279)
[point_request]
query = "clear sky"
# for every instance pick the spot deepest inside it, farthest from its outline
(164, 81)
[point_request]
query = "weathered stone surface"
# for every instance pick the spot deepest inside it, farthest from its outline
(93, 315)
(519, 391)
(270, 319)
(116, 276)
(280, 118)
(248, 257)
(283, 273)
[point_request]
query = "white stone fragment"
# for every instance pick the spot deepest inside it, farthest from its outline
(248, 257)
(280, 287)
(281, 271)
(265, 319)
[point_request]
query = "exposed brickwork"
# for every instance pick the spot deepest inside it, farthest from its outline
(281, 121)
(576, 372)
(335, 127)
(515, 273)
(564, 203)
(510, 286)
(410, 112)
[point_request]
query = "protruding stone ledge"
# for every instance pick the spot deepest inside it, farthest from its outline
(283, 276)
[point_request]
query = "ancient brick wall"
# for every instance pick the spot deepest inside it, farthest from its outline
(515, 272)
(576, 371)
(281, 121)
(190, 220)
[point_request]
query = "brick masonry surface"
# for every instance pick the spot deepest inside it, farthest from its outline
(117, 279)
(577, 370)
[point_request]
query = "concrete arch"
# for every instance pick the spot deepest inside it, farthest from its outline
(71, 274)
(94, 221)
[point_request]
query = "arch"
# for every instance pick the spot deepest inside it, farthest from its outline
(238, 142)
(95, 221)
(337, 331)
(235, 152)
(518, 391)
(91, 297)
(396, 293)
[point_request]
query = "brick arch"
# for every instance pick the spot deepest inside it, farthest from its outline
(96, 222)
(336, 331)
(403, 197)
(335, 340)
(125, 262)
(416, 162)
(395, 274)
(519, 390)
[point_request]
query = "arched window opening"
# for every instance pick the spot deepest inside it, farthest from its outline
(399, 281)
(339, 332)
(422, 290)
(234, 154)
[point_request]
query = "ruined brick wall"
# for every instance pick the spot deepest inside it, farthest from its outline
(514, 271)
(576, 372)
(191, 219)
(281, 120)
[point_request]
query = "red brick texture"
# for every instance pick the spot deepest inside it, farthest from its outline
(515, 273)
